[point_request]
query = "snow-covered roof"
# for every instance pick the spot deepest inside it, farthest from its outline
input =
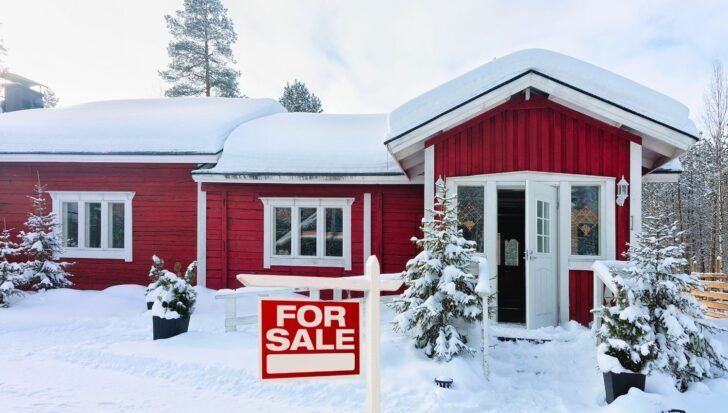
(672, 167)
(192, 125)
(567, 70)
(308, 143)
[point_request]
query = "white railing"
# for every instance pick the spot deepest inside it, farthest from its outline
(604, 288)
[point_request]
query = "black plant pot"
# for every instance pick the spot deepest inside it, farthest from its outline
(150, 304)
(164, 328)
(618, 384)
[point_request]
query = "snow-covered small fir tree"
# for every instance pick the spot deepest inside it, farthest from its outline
(626, 338)
(297, 98)
(174, 295)
(440, 295)
(683, 336)
(10, 272)
(50, 100)
(42, 245)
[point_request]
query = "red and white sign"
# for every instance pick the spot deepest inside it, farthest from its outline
(305, 338)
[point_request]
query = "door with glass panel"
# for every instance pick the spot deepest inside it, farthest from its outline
(541, 255)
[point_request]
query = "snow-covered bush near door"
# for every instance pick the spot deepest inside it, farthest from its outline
(174, 296)
(440, 295)
(154, 273)
(626, 339)
(684, 342)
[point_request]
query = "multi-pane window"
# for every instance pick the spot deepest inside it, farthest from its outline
(471, 213)
(307, 231)
(94, 224)
(543, 227)
(585, 220)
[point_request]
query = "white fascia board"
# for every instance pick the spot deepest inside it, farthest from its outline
(665, 178)
(307, 179)
(558, 93)
(109, 158)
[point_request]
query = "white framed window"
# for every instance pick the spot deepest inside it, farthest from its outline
(312, 232)
(94, 224)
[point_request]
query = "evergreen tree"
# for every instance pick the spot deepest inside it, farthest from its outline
(50, 100)
(297, 98)
(10, 272)
(440, 291)
(625, 333)
(200, 52)
(42, 246)
(683, 337)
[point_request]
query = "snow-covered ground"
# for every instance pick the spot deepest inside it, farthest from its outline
(91, 351)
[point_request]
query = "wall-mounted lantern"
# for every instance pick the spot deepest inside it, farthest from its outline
(622, 191)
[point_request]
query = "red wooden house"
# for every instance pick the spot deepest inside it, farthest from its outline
(533, 144)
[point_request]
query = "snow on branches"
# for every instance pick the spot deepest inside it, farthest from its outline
(440, 293)
(173, 296)
(656, 320)
(42, 245)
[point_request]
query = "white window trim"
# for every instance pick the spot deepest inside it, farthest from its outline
(269, 259)
(105, 197)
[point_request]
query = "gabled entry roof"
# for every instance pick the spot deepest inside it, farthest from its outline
(661, 121)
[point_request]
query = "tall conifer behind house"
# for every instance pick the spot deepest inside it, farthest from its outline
(440, 296)
(200, 51)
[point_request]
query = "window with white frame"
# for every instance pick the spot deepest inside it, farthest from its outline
(585, 220)
(307, 232)
(94, 224)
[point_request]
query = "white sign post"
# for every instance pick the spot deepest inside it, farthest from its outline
(371, 284)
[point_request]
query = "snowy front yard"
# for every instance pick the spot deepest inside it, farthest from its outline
(69, 350)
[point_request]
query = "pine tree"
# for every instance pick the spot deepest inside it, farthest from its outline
(50, 100)
(297, 98)
(440, 291)
(625, 333)
(10, 272)
(201, 54)
(683, 336)
(42, 246)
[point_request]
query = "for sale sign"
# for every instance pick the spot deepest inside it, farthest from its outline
(304, 338)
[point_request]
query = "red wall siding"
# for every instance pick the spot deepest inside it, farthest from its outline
(164, 211)
(539, 135)
(581, 296)
(235, 227)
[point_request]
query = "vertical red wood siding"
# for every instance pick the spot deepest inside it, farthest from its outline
(543, 136)
(164, 211)
(235, 228)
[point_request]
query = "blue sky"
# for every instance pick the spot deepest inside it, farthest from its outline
(364, 56)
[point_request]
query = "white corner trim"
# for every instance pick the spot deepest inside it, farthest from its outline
(269, 259)
(635, 191)
(564, 242)
(610, 222)
(201, 236)
(104, 197)
(429, 177)
(367, 226)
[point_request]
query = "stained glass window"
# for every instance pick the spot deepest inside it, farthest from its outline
(585, 220)
(471, 211)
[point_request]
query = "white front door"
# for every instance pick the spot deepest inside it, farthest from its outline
(541, 253)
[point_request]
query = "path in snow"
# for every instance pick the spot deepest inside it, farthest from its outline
(91, 351)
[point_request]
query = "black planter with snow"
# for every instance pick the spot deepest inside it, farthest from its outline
(149, 305)
(618, 384)
(167, 328)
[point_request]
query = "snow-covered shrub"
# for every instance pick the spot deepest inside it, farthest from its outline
(42, 246)
(685, 347)
(626, 338)
(174, 295)
(440, 292)
(154, 273)
(11, 276)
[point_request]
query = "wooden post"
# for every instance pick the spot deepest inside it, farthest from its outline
(372, 331)
(486, 348)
